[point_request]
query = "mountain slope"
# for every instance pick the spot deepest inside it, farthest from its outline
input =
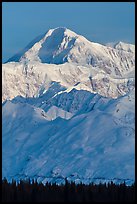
(75, 148)
(33, 79)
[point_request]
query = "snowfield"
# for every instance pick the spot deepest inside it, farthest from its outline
(69, 110)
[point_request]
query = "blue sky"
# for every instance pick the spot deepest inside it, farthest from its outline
(100, 22)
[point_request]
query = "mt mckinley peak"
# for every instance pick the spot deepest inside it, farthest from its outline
(62, 45)
(53, 41)
(63, 80)
(98, 68)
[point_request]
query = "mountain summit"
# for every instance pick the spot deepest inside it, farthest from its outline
(61, 45)
(51, 47)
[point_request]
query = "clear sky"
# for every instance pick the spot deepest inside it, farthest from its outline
(99, 22)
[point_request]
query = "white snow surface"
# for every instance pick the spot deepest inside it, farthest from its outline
(69, 110)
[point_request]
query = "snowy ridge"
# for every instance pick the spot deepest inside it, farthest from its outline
(30, 80)
(82, 137)
(69, 110)
(122, 46)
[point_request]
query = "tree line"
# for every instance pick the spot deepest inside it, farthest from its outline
(32, 191)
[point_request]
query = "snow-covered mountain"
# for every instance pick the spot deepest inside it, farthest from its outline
(68, 110)
(61, 45)
(70, 59)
